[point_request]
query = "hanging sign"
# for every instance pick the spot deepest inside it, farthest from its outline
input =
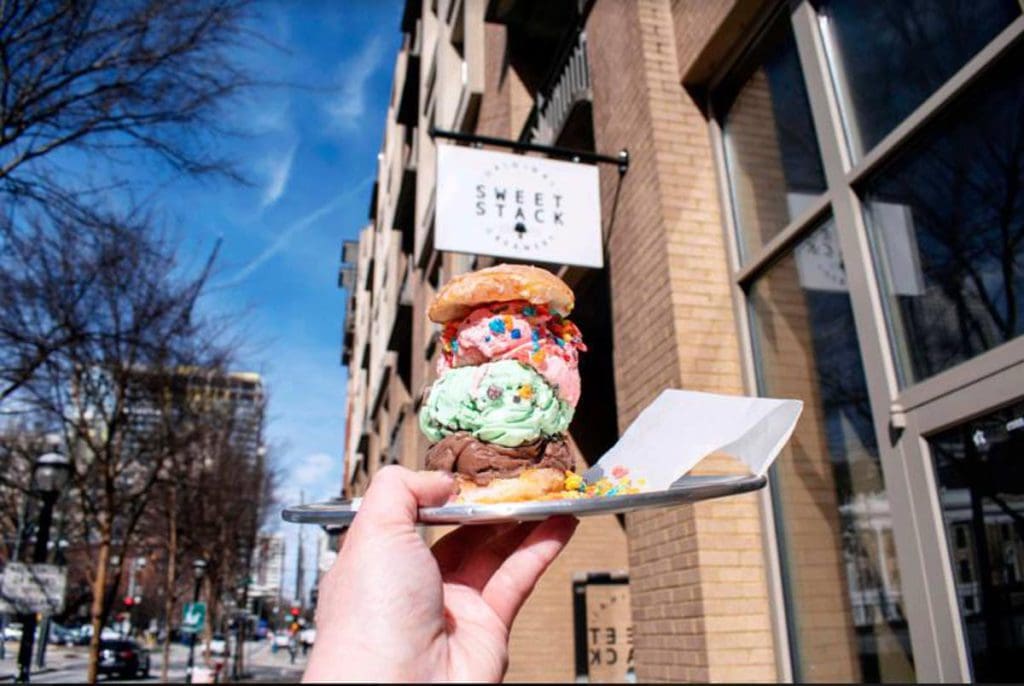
(524, 208)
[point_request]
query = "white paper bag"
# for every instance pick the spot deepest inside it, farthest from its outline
(680, 428)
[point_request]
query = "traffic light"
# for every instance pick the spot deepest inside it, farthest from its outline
(129, 601)
(295, 612)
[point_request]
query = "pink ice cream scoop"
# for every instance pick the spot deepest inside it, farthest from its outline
(517, 331)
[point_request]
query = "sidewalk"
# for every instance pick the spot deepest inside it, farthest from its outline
(57, 658)
(265, 665)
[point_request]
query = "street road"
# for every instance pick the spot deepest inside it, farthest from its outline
(68, 665)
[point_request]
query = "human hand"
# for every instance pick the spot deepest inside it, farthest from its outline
(392, 609)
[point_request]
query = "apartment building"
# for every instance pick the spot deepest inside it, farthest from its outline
(235, 397)
(824, 201)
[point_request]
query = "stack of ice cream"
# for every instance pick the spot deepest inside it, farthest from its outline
(508, 384)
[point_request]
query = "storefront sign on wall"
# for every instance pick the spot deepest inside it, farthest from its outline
(525, 208)
(604, 629)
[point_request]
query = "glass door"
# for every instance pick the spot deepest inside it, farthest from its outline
(970, 446)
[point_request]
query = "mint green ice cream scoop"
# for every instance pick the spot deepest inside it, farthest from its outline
(504, 402)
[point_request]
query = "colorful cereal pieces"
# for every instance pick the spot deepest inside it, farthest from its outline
(573, 481)
(575, 487)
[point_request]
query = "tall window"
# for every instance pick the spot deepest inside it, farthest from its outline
(872, 147)
(843, 582)
(947, 219)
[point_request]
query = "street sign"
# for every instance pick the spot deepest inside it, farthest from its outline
(27, 589)
(193, 617)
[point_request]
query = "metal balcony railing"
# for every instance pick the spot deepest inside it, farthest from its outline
(570, 84)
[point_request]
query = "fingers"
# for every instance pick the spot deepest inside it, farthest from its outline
(395, 494)
(454, 547)
(513, 581)
(479, 564)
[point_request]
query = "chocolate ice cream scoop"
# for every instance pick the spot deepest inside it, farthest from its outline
(460, 453)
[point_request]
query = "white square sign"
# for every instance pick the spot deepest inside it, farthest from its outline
(525, 208)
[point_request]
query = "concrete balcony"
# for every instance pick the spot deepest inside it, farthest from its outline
(404, 217)
(459, 63)
(568, 88)
(380, 379)
(407, 79)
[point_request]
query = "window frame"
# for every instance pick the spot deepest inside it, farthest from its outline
(928, 583)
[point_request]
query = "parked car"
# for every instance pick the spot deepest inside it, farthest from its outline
(80, 635)
(108, 634)
(61, 635)
(12, 632)
(123, 657)
(83, 635)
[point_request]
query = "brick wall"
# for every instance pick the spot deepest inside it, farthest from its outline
(697, 573)
(542, 642)
(692, 21)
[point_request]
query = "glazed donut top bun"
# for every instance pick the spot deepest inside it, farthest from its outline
(502, 283)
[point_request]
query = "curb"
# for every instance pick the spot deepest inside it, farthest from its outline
(12, 677)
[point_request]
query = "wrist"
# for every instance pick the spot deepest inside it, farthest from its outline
(353, 659)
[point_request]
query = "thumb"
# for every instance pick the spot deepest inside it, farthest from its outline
(396, 494)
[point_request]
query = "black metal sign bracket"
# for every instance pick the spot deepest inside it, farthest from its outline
(621, 160)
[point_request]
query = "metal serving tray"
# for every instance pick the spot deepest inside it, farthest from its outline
(688, 489)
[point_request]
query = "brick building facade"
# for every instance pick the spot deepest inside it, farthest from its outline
(741, 188)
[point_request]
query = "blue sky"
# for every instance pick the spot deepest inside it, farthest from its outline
(310, 152)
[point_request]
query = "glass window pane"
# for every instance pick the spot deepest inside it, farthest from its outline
(888, 57)
(841, 577)
(978, 467)
(947, 219)
(771, 151)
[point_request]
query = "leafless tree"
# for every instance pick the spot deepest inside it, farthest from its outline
(131, 331)
(105, 85)
(103, 77)
(98, 324)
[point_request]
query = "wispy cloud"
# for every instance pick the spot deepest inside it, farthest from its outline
(279, 170)
(348, 107)
(314, 469)
(267, 115)
(286, 235)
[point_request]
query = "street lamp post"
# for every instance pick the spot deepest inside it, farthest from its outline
(199, 569)
(49, 477)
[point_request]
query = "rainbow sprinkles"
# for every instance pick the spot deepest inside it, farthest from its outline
(619, 484)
